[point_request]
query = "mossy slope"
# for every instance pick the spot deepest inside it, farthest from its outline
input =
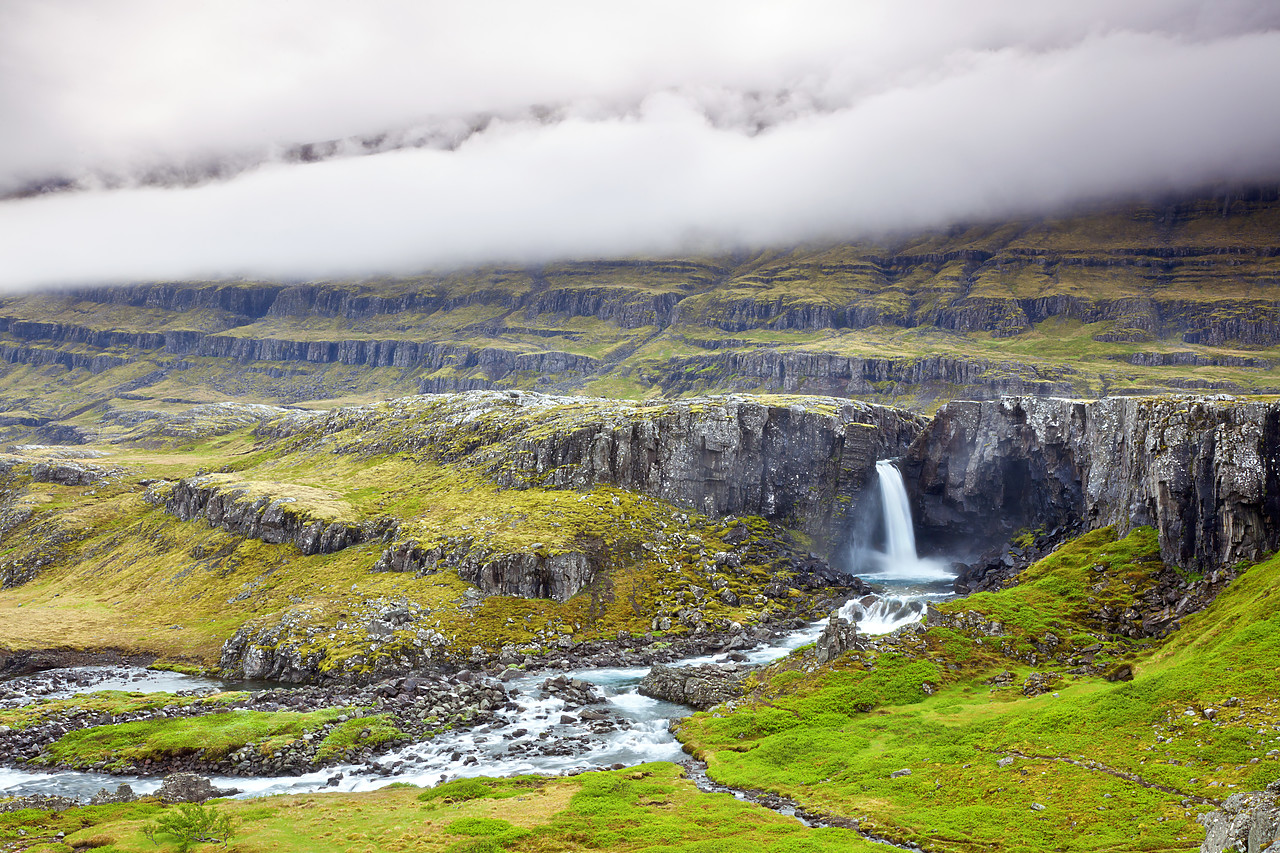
(115, 570)
(1132, 298)
(1086, 765)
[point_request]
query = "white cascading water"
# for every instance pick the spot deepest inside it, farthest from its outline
(908, 581)
(899, 563)
(899, 532)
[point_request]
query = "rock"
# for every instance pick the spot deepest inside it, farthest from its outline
(699, 687)
(837, 637)
(123, 794)
(1195, 468)
(222, 502)
(1006, 761)
(40, 802)
(189, 788)
(1123, 672)
(574, 692)
(898, 774)
(806, 466)
(1247, 822)
(1037, 683)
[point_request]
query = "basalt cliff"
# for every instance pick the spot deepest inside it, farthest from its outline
(412, 494)
(1205, 472)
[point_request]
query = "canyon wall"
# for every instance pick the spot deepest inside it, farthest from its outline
(1204, 471)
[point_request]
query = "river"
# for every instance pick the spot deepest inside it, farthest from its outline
(534, 739)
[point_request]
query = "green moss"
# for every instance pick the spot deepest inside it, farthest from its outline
(214, 736)
(833, 737)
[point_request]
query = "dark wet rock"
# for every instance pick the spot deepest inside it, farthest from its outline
(573, 691)
(189, 788)
(1247, 822)
(1204, 471)
(700, 687)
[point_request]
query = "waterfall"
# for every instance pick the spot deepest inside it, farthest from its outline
(905, 582)
(899, 533)
(898, 562)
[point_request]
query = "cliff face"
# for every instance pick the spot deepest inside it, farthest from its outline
(800, 462)
(271, 519)
(1204, 471)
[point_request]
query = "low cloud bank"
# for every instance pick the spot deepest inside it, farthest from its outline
(612, 135)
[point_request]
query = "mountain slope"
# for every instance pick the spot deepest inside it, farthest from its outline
(1127, 299)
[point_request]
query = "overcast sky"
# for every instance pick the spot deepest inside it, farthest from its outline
(579, 129)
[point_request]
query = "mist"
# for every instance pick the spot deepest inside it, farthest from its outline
(502, 132)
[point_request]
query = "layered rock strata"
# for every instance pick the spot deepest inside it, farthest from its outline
(1204, 471)
(800, 462)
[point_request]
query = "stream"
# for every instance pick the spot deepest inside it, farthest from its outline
(534, 738)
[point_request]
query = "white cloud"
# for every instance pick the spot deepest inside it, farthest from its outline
(672, 126)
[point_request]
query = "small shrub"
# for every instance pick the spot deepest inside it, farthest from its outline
(191, 823)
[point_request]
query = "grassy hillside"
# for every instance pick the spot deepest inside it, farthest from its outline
(1087, 764)
(99, 558)
(1003, 754)
(647, 808)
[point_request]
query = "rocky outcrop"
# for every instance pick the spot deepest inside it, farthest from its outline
(699, 687)
(189, 788)
(837, 637)
(1204, 471)
(535, 573)
(1246, 823)
(925, 377)
(271, 519)
(494, 362)
(803, 463)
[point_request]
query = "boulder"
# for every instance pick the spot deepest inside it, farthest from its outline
(189, 788)
(1247, 822)
(699, 687)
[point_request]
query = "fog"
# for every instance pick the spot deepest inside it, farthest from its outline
(515, 132)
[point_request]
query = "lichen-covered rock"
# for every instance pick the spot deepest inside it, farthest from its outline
(1204, 471)
(1246, 823)
(529, 574)
(801, 462)
(700, 687)
(271, 519)
(837, 637)
(189, 788)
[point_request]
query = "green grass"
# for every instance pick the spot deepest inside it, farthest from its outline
(645, 809)
(833, 738)
(217, 735)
